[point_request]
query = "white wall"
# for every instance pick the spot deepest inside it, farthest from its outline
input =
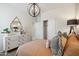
(57, 16)
(77, 16)
(8, 13)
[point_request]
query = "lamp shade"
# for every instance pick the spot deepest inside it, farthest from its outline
(72, 22)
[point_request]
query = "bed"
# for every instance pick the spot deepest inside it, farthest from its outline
(34, 48)
(38, 48)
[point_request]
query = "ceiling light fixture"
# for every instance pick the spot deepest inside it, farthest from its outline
(33, 9)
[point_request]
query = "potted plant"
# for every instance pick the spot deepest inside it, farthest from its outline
(6, 30)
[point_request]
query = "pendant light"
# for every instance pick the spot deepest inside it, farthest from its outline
(33, 9)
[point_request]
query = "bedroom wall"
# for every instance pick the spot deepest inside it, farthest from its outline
(7, 13)
(77, 16)
(57, 16)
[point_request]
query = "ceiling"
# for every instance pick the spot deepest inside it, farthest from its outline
(19, 6)
(44, 6)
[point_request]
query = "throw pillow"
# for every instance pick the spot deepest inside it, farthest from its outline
(64, 41)
(56, 46)
(72, 46)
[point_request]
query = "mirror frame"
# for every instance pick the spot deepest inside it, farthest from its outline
(18, 22)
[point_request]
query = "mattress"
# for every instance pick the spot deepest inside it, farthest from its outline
(34, 48)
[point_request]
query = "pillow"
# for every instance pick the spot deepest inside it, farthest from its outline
(65, 34)
(60, 46)
(64, 41)
(58, 43)
(56, 46)
(72, 46)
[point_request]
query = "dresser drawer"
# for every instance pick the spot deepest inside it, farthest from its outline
(12, 46)
(12, 42)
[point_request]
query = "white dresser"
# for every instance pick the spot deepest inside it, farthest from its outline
(10, 42)
(13, 41)
(23, 39)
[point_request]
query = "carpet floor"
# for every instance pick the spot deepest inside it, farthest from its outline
(9, 53)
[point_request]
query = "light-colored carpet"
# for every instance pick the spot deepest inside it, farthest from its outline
(10, 53)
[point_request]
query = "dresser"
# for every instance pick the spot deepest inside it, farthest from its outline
(13, 41)
(23, 39)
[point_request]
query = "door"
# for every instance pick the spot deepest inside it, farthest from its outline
(45, 25)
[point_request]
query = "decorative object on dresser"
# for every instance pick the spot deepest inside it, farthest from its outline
(6, 30)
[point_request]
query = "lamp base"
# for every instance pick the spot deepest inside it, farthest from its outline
(71, 29)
